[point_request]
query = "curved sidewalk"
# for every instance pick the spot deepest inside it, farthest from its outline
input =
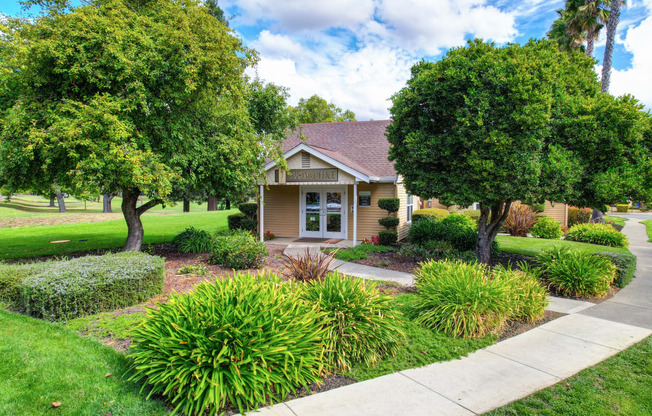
(506, 371)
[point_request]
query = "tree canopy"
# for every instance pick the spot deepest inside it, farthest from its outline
(129, 96)
(497, 125)
(317, 110)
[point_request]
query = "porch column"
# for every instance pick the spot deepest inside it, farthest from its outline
(355, 212)
(261, 221)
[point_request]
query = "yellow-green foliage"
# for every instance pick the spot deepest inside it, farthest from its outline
(435, 213)
(243, 341)
(602, 234)
(577, 273)
(622, 207)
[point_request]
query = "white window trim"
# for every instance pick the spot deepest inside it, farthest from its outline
(409, 208)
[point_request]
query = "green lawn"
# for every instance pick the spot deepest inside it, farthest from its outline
(616, 220)
(42, 363)
(532, 246)
(648, 226)
(26, 242)
(617, 386)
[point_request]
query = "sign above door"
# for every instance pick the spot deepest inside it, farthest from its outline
(312, 175)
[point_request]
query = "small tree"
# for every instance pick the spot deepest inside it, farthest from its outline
(391, 205)
(519, 123)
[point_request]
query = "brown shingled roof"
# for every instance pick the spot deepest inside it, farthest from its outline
(361, 145)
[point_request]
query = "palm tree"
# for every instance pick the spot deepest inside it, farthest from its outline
(612, 23)
(591, 17)
(580, 21)
(565, 32)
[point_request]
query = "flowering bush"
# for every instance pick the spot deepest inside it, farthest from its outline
(268, 236)
(374, 240)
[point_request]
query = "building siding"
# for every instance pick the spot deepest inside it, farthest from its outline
(368, 216)
(558, 212)
(403, 225)
(282, 210)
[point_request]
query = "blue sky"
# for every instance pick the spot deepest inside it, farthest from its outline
(357, 53)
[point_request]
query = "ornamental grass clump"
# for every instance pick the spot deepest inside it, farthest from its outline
(238, 250)
(307, 266)
(92, 284)
(529, 297)
(461, 299)
(520, 220)
(576, 273)
(601, 234)
(625, 266)
(360, 324)
(241, 342)
(193, 240)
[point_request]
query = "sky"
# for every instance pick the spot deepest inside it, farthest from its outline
(358, 53)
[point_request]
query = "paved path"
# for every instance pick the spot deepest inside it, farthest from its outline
(509, 370)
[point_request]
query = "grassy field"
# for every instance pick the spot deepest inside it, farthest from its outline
(617, 386)
(532, 246)
(27, 242)
(43, 363)
(648, 227)
(616, 220)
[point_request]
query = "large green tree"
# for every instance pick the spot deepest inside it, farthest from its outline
(317, 110)
(497, 125)
(129, 96)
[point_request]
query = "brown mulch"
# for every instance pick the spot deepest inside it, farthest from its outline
(513, 328)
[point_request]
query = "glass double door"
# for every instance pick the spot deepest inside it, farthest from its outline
(323, 212)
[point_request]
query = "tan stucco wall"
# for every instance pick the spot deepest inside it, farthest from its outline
(281, 215)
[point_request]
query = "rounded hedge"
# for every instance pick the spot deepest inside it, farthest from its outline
(601, 234)
(389, 204)
(548, 228)
(238, 250)
(243, 342)
(435, 213)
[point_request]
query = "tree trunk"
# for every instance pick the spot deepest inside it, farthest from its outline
(61, 201)
(212, 203)
(186, 205)
(106, 202)
(52, 201)
(132, 217)
(612, 24)
(228, 204)
(596, 217)
(590, 43)
(487, 231)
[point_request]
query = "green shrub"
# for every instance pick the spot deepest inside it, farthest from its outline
(461, 299)
(243, 341)
(520, 220)
(12, 276)
(389, 204)
(388, 222)
(361, 326)
(307, 267)
(459, 221)
(360, 252)
(622, 207)
(462, 238)
(579, 215)
(435, 213)
(473, 214)
(194, 269)
(388, 238)
(249, 225)
(528, 297)
(577, 273)
(238, 250)
(427, 250)
(192, 240)
(92, 284)
(235, 220)
(625, 266)
(546, 227)
(602, 234)
(249, 209)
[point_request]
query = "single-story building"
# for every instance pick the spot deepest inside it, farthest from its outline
(338, 171)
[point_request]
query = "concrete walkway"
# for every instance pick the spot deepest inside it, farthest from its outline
(509, 370)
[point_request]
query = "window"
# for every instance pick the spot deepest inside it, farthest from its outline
(410, 207)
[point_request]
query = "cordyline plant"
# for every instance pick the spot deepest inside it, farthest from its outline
(307, 266)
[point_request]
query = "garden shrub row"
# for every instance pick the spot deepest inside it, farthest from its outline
(468, 300)
(601, 234)
(456, 229)
(62, 290)
(250, 340)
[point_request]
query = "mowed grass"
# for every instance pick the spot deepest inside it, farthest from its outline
(648, 227)
(616, 220)
(43, 363)
(528, 246)
(25, 242)
(619, 385)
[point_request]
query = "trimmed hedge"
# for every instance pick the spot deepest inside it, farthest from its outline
(239, 250)
(235, 220)
(546, 227)
(602, 234)
(435, 213)
(11, 278)
(249, 209)
(87, 285)
(388, 238)
(388, 222)
(625, 266)
(389, 204)
(622, 207)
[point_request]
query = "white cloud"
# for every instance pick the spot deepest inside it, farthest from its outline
(636, 80)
